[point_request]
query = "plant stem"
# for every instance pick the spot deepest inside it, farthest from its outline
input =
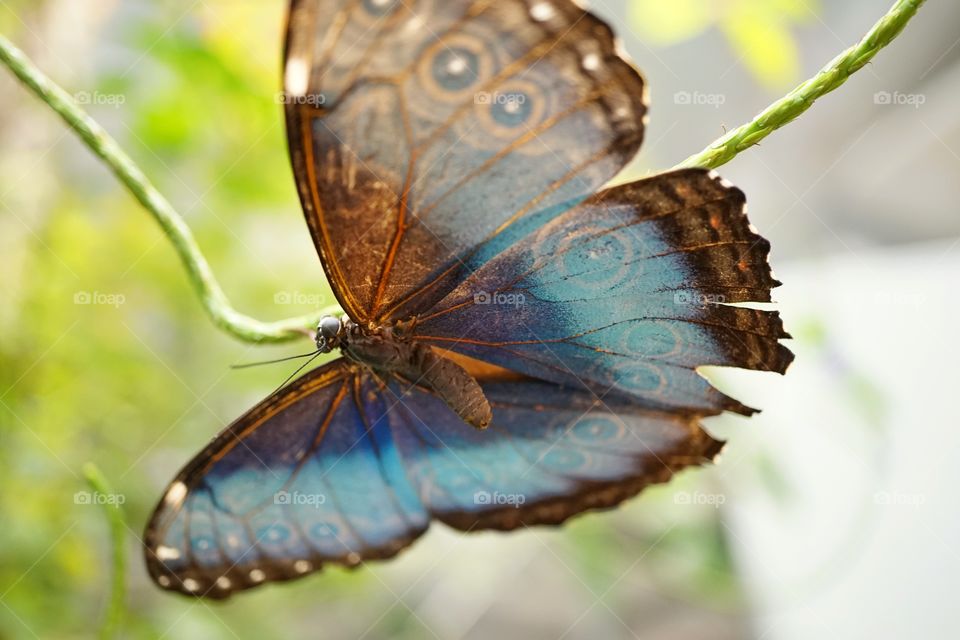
(795, 103)
(114, 614)
(249, 329)
(201, 276)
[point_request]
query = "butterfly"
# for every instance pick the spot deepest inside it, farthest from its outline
(519, 344)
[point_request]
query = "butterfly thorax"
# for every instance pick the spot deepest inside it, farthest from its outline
(392, 355)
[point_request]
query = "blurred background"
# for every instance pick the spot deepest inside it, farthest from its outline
(832, 514)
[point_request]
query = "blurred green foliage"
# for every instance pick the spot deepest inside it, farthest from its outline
(759, 31)
(105, 355)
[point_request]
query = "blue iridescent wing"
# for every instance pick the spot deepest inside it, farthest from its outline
(626, 293)
(549, 454)
(341, 468)
(419, 127)
(298, 481)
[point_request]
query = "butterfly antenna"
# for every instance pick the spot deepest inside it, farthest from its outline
(287, 359)
(299, 369)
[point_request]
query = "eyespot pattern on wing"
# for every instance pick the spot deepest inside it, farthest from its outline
(431, 114)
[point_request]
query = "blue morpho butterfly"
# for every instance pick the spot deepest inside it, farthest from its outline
(517, 347)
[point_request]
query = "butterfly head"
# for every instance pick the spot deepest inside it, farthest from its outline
(330, 333)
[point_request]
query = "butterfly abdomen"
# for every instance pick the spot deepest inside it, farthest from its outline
(454, 385)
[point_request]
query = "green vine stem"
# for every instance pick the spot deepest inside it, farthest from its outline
(795, 103)
(115, 607)
(201, 276)
(248, 329)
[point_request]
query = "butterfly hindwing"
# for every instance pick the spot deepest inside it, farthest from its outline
(550, 453)
(341, 468)
(628, 292)
(419, 128)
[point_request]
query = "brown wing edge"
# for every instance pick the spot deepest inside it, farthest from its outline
(731, 259)
(300, 150)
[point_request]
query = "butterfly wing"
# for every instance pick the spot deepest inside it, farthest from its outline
(624, 293)
(549, 454)
(340, 467)
(417, 128)
(296, 482)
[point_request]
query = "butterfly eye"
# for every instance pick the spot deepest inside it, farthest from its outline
(455, 69)
(328, 333)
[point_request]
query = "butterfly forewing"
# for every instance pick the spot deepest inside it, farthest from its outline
(419, 128)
